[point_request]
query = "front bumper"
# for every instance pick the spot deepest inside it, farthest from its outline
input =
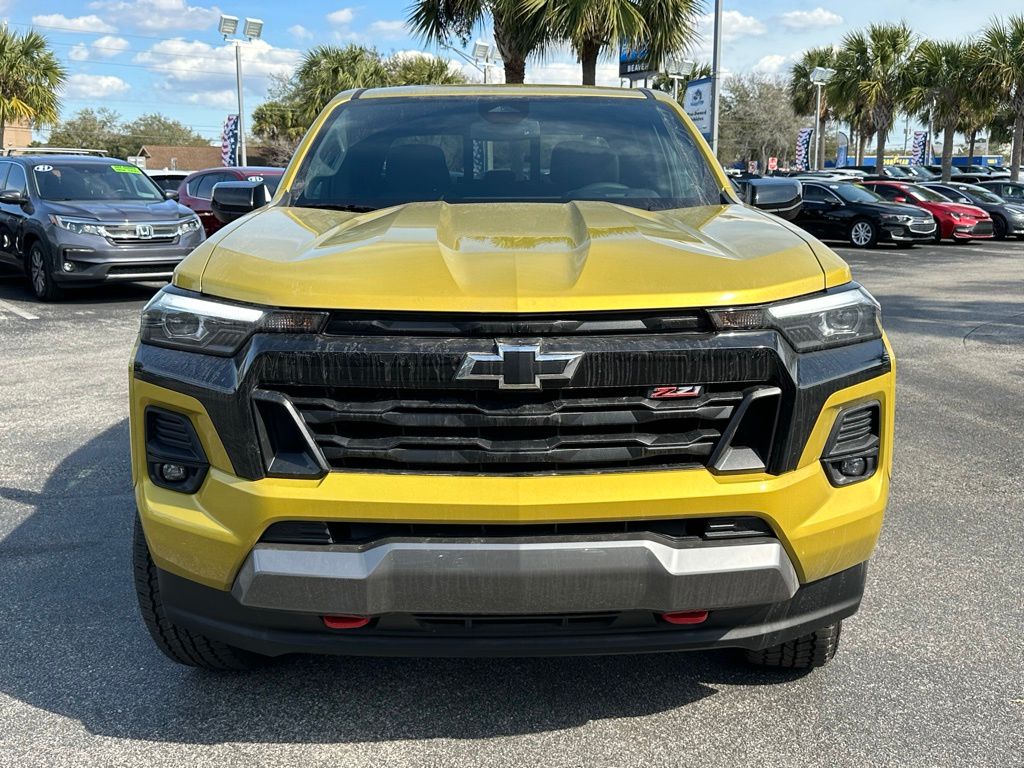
(219, 615)
(528, 577)
(96, 260)
(901, 233)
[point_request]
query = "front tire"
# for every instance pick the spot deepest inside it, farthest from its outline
(863, 234)
(999, 227)
(40, 274)
(807, 652)
(176, 642)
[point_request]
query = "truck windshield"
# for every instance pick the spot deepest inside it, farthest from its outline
(378, 152)
(94, 181)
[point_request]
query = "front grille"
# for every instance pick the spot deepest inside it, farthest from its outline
(983, 228)
(922, 225)
(489, 431)
(141, 269)
(128, 234)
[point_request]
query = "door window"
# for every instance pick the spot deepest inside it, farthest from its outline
(16, 179)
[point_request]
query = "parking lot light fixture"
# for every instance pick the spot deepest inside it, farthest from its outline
(251, 30)
(819, 76)
(228, 25)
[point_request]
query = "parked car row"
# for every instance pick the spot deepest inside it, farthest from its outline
(77, 218)
(905, 212)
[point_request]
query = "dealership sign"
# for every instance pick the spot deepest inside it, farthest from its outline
(635, 64)
(699, 104)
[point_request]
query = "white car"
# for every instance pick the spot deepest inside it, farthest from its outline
(167, 180)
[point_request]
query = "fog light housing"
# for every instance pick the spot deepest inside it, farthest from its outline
(69, 266)
(851, 452)
(174, 455)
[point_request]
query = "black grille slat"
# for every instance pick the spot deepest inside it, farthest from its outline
(489, 431)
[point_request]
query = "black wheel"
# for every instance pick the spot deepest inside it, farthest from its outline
(863, 234)
(40, 273)
(938, 235)
(999, 227)
(807, 652)
(177, 643)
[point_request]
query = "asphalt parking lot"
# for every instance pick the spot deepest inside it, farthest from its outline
(930, 673)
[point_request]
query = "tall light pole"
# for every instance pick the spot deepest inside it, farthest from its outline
(716, 76)
(483, 57)
(819, 76)
(252, 30)
(676, 69)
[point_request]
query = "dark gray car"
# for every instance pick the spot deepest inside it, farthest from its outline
(71, 220)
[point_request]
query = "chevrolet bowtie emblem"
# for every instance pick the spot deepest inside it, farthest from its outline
(519, 366)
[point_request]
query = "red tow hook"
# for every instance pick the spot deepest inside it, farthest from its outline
(346, 622)
(685, 617)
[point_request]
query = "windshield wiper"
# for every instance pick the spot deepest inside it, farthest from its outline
(338, 207)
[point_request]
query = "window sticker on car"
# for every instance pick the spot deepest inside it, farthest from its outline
(43, 168)
(125, 169)
(255, 178)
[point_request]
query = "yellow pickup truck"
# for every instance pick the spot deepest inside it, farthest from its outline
(507, 371)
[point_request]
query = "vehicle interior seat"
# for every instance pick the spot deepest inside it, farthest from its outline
(576, 164)
(419, 170)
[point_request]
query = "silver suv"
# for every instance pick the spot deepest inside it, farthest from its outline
(75, 220)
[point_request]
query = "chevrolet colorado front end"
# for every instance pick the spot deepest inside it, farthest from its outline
(506, 371)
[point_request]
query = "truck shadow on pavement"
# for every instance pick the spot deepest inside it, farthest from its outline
(73, 644)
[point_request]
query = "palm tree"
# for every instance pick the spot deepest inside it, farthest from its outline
(874, 77)
(326, 70)
(30, 78)
(942, 82)
(518, 30)
(1002, 57)
(593, 27)
(803, 94)
(414, 69)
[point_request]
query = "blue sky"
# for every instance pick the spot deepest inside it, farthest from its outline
(138, 56)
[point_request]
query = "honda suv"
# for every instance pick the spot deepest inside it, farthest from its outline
(76, 221)
(507, 371)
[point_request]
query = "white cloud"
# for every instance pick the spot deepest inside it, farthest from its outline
(772, 64)
(734, 26)
(222, 99)
(159, 15)
(819, 18)
(299, 32)
(388, 30)
(569, 72)
(79, 52)
(192, 61)
(94, 86)
(341, 17)
(109, 46)
(90, 23)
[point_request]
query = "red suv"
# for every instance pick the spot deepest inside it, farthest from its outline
(197, 189)
(954, 220)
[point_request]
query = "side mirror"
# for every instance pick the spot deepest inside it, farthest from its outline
(780, 196)
(170, 194)
(233, 199)
(13, 197)
(899, 199)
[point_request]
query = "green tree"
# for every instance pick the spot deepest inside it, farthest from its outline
(874, 77)
(87, 128)
(803, 94)
(757, 121)
(420, 70)
(156, 129)
(519, 29)
(1002, 59)
(942, 81)
(30, 78)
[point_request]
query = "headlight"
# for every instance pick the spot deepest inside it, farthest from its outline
(189, 225)
(79, 226)
(956, 215)
(831, 320)
(188, 321)
(897, 217)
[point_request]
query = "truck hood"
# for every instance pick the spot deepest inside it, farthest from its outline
(110, 211)
(510, 257)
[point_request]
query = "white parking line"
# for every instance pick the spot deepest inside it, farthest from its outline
(17, 310)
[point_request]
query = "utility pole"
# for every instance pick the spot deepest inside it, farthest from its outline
(716, 76)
